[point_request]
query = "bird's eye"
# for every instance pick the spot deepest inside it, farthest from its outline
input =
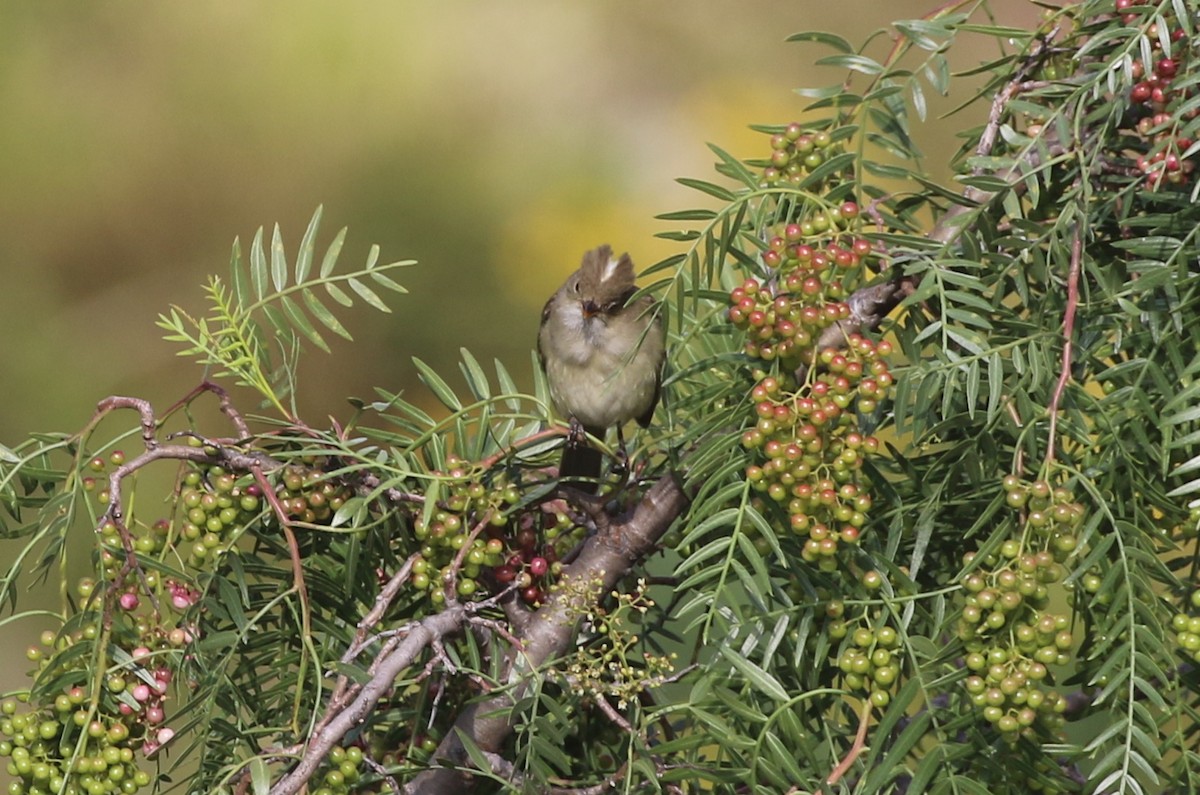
(575, 287)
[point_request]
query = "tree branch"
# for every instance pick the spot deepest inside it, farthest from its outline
(605, 558)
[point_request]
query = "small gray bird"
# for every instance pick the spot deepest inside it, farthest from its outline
(602, 355)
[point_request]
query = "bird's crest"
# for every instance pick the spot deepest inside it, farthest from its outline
(606, 272)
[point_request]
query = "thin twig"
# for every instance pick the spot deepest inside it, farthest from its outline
(860, 744)
(1068, 333)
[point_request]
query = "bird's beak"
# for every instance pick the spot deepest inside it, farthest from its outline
(589, 308)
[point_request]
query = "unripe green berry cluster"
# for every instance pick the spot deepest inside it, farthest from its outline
(796, 152)
(65, 746)
(1052, 516)
(444, 532)
(214, 507)
(308, 494)
(341, 772)
(1009, 635)
(869, 661)
(1186, 624)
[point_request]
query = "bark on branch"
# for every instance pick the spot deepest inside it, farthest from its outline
(609, 555)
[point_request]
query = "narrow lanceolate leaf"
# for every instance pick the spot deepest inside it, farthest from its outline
(368, 295)
(715, 191)
(279, 323)
(386, 281)
(476, 379)
(302, 324)
(372, 257)
(322, 314)
(440, 388)
(279, 272)
(757, 676)
(258, 266)
(855, 63)
(338, 294)
(238, 277)
(830, 39)
(331, 253)
(304, 257)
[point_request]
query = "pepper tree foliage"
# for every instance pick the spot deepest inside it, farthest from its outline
(914, 516)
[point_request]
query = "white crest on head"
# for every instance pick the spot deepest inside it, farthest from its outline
(610, 269)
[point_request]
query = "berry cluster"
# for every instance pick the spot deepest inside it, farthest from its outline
(868, 660)
(796, 153)
(542, 537)
(1009, 635)
(341, 772)
(308, 494)
(1161, 157)
(453, 526)
(811, 449)
(520, 547)
(66, 745)
(215, 508)
(1187, 629)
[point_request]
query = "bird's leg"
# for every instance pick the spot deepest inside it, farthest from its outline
(621, 462)
(576, 435)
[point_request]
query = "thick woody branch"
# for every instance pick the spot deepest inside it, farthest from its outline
(403, 655)
(606, 557)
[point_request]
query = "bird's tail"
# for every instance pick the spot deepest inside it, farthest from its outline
(580, 466)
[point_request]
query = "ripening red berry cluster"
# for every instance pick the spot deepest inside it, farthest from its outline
(784, 317)
(1157, 96)
(516, 546)
(811, 449)
(807, 406)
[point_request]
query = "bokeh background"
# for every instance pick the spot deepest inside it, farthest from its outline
(491, 141)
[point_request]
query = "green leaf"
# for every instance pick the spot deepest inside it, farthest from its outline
(323, 315)
(383, 280)
(436, 385)
(477, 380)
(279, 272)
(258, 266)
(758, 677)
(301, 323)
(260, 776)
(304, 257)
(368, 295)
(238, 277)
(707, 187)
(688, 215)
(853, 62)
(331, 254)
(338, 294)
(820, 37)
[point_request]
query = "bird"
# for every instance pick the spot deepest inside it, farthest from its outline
(603, 357)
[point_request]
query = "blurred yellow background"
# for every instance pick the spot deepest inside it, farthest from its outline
(493, 142)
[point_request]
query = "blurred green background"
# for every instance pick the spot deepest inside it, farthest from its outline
(493, 142)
